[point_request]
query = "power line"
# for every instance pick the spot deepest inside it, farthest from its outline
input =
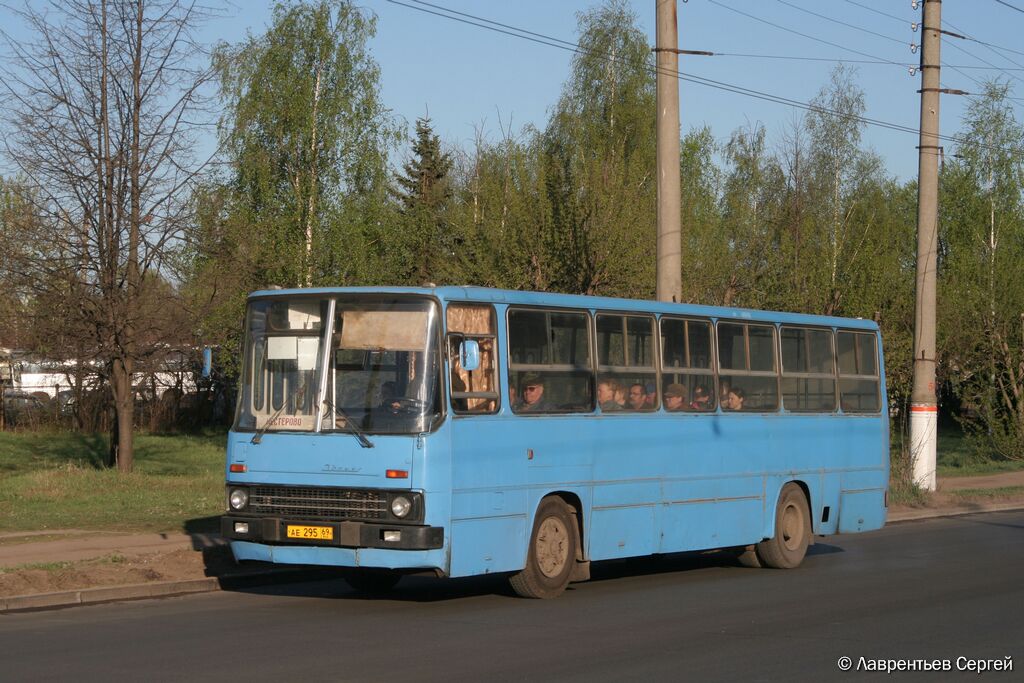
(843, 47)
(911, 67)
(842, 23)
(872, 9)
(990, 46)
(516, 32)
(803, 35)
(846, 61)
(1001, 2)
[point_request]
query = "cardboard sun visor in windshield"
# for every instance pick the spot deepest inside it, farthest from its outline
(388, 330)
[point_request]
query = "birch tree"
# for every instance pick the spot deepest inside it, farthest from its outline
(981, 292)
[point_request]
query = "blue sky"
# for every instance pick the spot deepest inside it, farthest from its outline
(469, 78)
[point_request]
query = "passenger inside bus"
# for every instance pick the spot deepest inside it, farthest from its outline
(701, 398)
(675, 396)
(735, 399)
(637, 397)
(606, 395)
(533, 394)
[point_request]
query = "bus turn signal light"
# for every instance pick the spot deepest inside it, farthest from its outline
(236, 467)
(397, 474)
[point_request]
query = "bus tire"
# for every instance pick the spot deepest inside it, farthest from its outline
(786, 549)
(551, 555)
(372, 581)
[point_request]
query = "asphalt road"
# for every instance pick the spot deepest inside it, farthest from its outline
(937, 589)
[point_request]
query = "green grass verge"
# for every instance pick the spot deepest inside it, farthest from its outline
(55, 481)
(957, 457)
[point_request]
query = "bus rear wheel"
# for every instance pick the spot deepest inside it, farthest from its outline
(372, 581)
(787, 548)
(552, 552)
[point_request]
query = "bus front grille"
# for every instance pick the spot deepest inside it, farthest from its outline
(318, 503)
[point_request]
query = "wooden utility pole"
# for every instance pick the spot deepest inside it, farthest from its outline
(923, 402)
(670, 286)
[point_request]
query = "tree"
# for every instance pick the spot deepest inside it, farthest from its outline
(306, 137)
(102, 107)
(982, 316)
(424, 193)
(500, 213)
(599, 150)
(703, 241)
(837, 166)
(751, 205)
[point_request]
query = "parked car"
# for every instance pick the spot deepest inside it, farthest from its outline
(21, 407)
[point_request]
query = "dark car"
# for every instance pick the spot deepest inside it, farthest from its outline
(21, 408)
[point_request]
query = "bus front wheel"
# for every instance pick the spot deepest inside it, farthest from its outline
(552, 552)
(787, 548)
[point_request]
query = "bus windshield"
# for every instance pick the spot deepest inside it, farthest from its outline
(361, 365)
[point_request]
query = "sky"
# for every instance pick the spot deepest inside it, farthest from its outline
(471, 79)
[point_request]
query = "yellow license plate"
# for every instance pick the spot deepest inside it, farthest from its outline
(313, 533)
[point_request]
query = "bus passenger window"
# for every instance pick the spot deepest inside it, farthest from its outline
(550, 361)
(858, 372)
(627, 377)
(746, 358)
(686, 368)
(808, 370)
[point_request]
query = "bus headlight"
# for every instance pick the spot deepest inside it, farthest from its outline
(238, 498)
(400, 506)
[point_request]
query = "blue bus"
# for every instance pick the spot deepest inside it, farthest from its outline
(462, 431)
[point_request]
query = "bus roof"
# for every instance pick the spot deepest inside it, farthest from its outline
(549, 299)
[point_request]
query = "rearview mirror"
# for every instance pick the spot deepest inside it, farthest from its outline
(469, 355)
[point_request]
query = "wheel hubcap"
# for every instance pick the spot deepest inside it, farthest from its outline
(552, 547)
(792, 528)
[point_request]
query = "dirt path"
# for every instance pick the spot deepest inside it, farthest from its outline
(988, 481)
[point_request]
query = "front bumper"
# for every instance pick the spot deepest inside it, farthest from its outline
(273, 530)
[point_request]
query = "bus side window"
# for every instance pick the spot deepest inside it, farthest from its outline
(473, 391)
(686, 364)
(550, 357)
(858, 372)
(627, 378)
(746, 359)
(808, 370)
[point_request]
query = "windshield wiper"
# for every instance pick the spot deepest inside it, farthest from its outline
(258, 436)
(349, 424)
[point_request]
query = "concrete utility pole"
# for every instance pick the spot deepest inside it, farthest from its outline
(923, 403)
(670, 285)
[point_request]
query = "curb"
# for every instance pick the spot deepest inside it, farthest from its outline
(94, 596)
(913, 515)
(159, 589)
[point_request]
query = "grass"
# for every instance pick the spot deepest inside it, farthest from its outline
(957, 457)
(56, 480)
(44, 566)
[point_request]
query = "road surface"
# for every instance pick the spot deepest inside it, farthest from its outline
(940, 589)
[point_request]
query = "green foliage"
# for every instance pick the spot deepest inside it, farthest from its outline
(599, 158)
(982, 256)
(424, 192)
(306, 137)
